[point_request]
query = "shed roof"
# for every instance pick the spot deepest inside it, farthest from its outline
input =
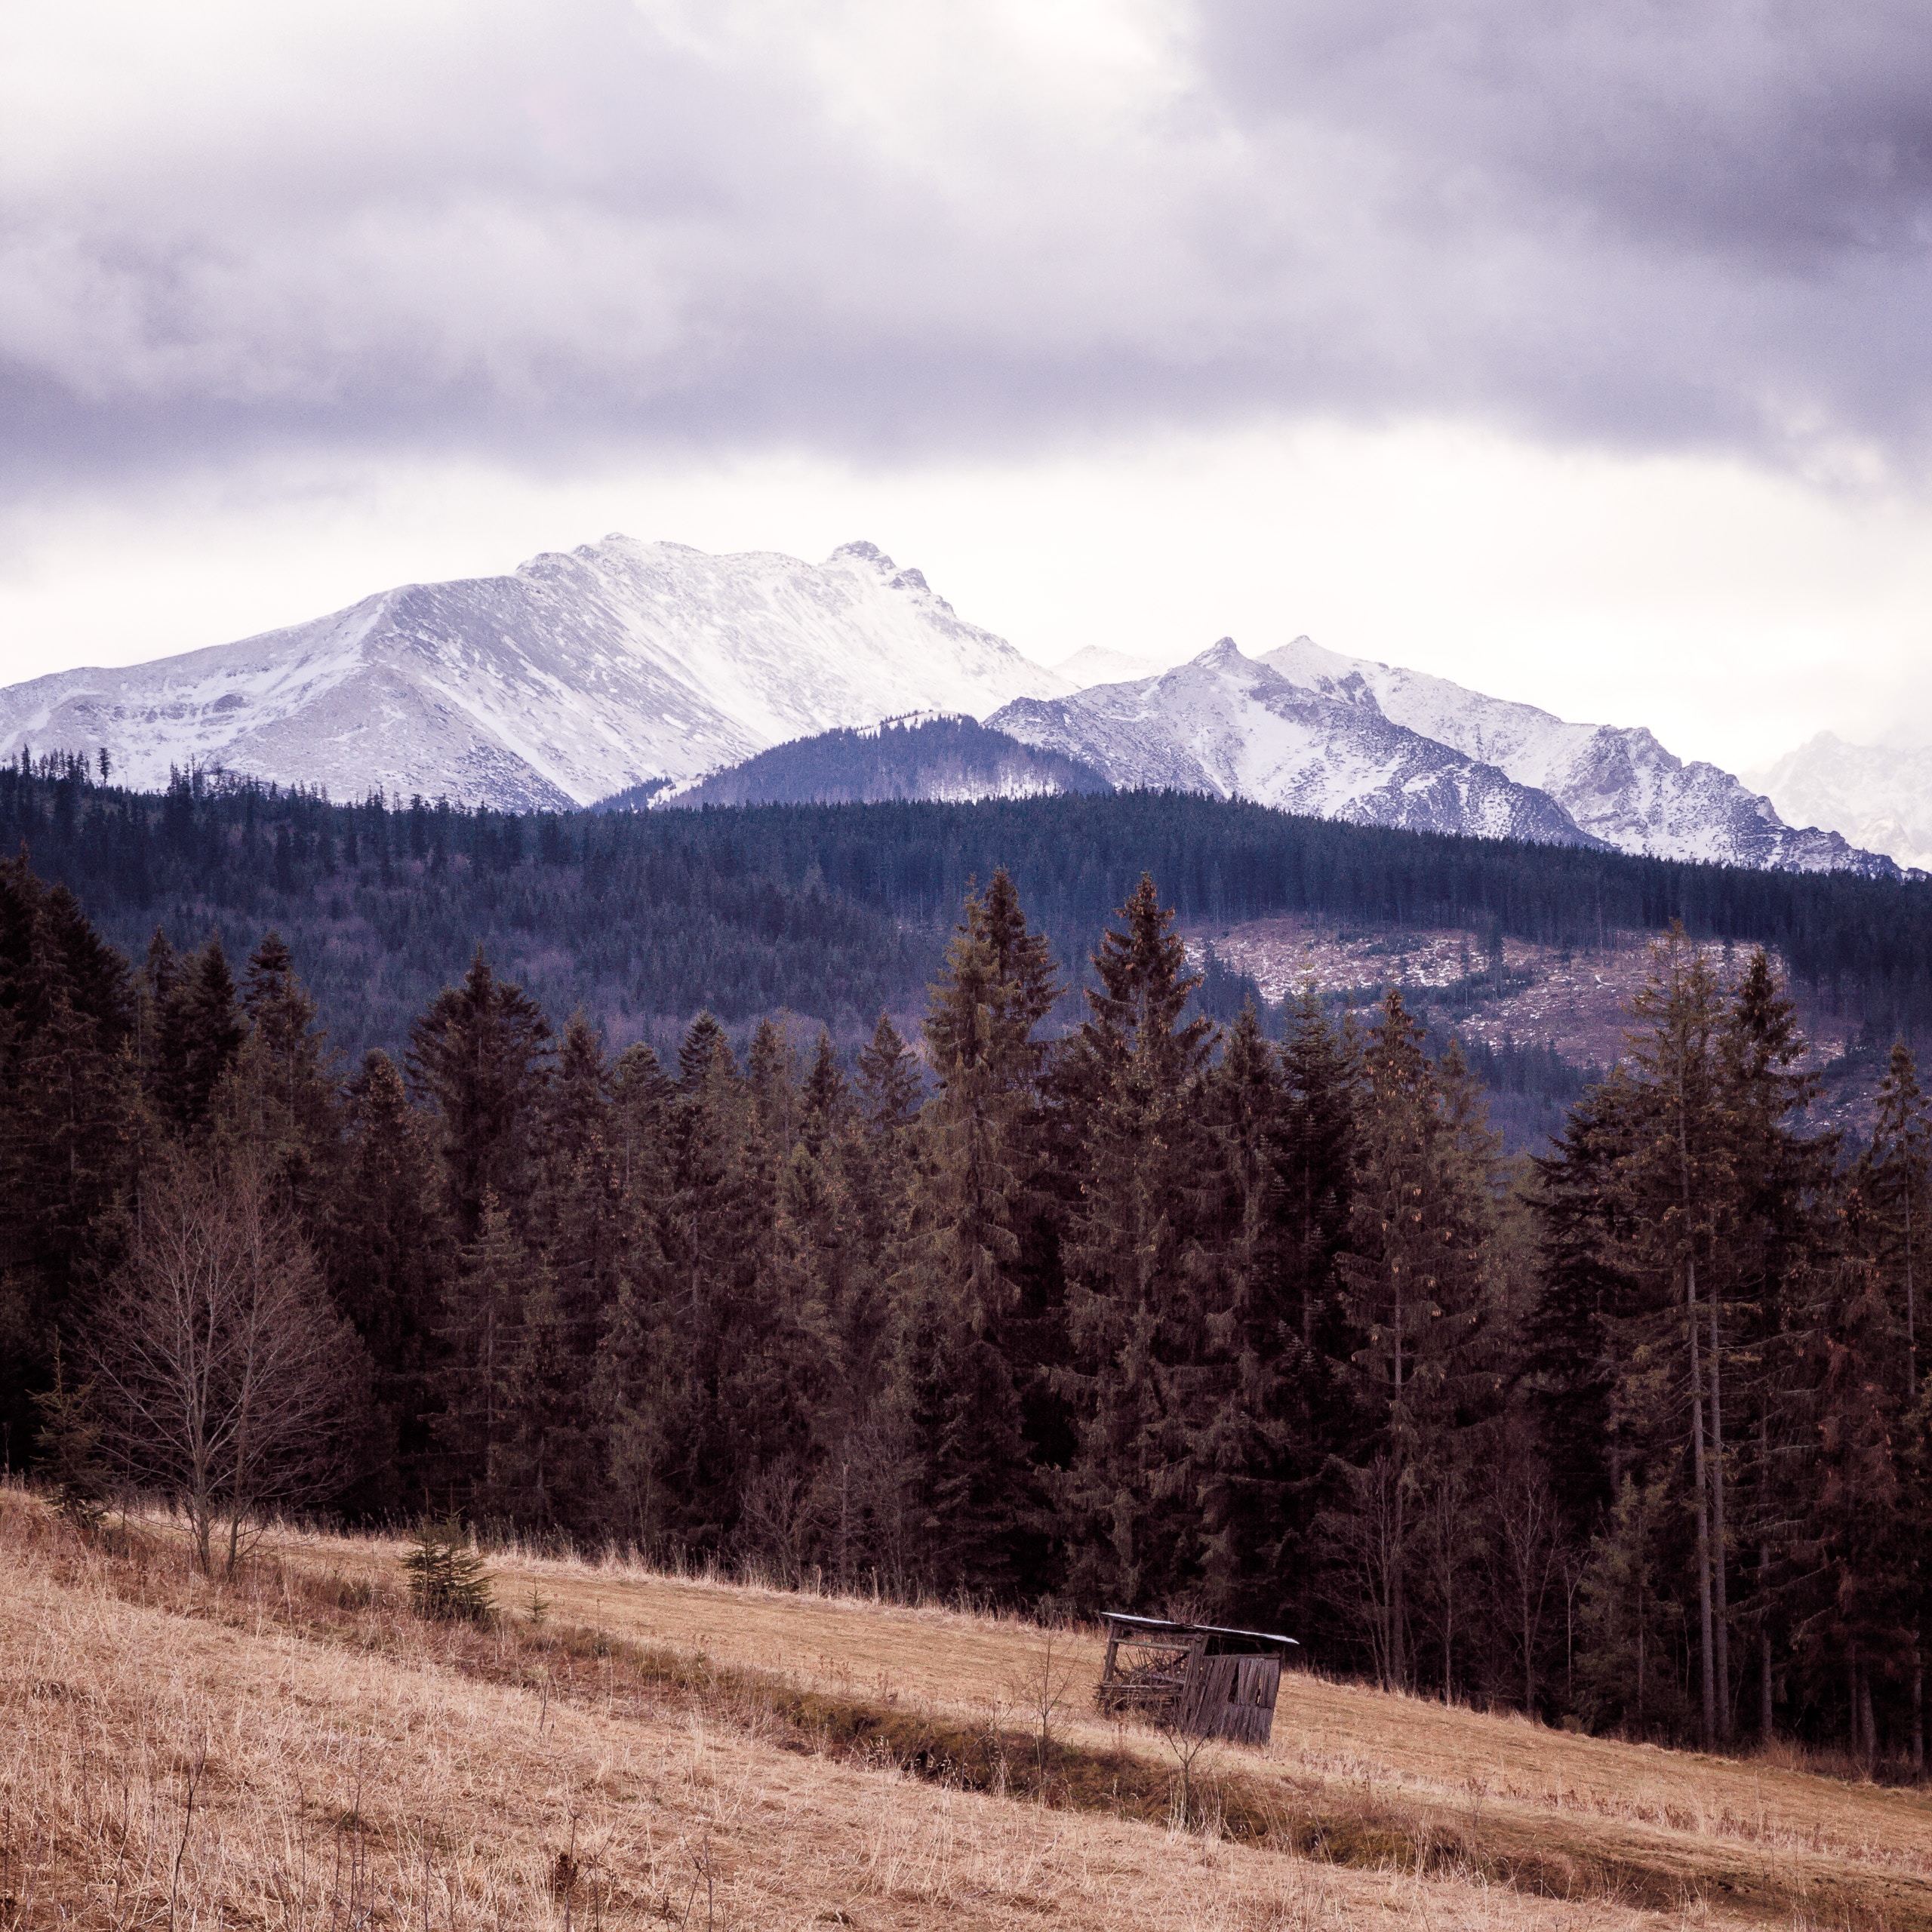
(1161, 1623)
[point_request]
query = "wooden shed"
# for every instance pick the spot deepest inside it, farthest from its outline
(1197, 1678)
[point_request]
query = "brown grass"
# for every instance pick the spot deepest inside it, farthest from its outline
(296, 1750)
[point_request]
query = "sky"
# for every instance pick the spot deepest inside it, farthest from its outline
(1576, 352)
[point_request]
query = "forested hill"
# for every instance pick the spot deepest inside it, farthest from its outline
(835, 912)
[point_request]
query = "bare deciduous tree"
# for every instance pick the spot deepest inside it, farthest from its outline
(1529, 1541)
(223, 1370)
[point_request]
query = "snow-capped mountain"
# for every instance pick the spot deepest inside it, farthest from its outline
(1097, 664)
(954, 761)
(1617, 783)
(576, 675)
(1878, 796)
(1227, 724)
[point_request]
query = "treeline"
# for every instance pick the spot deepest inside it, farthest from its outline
(1151, 1315)
(835, 912)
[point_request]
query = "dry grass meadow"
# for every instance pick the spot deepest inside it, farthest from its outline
(625, 1749)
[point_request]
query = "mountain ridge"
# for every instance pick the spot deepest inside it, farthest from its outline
(1618, 783)
(557, 683)
(1233, 727)
(648, 671)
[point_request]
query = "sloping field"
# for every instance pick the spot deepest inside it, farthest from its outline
(295, 1749)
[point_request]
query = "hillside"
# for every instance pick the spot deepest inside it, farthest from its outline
(834, 913)
(954, 760)
(624, 1748)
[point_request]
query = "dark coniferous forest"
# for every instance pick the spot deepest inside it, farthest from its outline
(1121, 1299)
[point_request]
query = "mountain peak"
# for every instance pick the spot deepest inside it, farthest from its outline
(859, 550)
(580, 673)
(1224, 654)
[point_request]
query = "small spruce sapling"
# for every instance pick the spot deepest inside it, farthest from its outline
(447, 1583)
(70, 1457)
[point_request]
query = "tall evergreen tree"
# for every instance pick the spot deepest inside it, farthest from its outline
(1417, 1284)
(388, 1249)
(480, 1054)
(1135, 1069)
(1247, 1436)
(201, 1031)
(956, 1401)
(1676, 1183)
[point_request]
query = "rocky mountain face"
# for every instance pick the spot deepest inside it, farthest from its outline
(1236, 727)
(577, 674)
(952, 761)
(1617, 783)
(1878, 796)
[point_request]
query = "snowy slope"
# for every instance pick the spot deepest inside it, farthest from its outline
(1618, 784)
(1097, 664)
(1878, 797)
(575, 676)
(1227, 725)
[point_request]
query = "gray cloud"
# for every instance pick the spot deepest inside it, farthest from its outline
(550, 230)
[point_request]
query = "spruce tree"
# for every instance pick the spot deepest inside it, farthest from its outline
(481, 1337)
(824, 1098)
(388, 1244)
(1857, 1541)
(956, 1401)
(1781, 1175)
(1136, 1325)
(889, 1085)
(1248, 1440)
(1417, 1282)
(480, 1054)
(202, 1031)
(280, 1094)
(1894, 1182)
(1676, 1186)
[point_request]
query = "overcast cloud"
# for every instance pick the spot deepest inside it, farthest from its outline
(550, 228)
(1578, 351)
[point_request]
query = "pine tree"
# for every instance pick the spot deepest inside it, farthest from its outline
(956, 1400)
(1768, 1238)
(1247, 1444)
(1134, 1071)
(279, 1095)
(1857, 1539)
(1570, 1378)
(1893, 1181)
(201, 1033)
(388, 1245)
(1675, 1183)
(705, 1051)
(480, 1334)
(585, 1227)
(1897, 1169)
(1417, 1283)
(771, 1076)
(71, 1130)
(68, 1455)
(1631, 1622)
(480, 1054)
(889, 1084)
(1314, 1161)
(448, 1581)
(824, 1098)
